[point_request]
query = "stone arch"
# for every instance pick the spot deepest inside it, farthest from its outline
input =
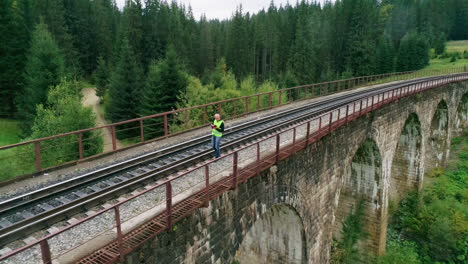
(437, 145)
(461, 118)
(362, 183)
(275, 237)
(407, 166)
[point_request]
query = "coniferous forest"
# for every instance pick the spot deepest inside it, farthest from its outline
(152, 55)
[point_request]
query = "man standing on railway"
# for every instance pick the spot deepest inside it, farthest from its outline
(216, 134)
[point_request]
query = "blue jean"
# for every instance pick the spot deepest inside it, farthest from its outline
(215, 142)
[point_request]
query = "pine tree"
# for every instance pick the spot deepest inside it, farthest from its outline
(165, 82)
(304, 59)
(44, 68)
(125, 86)
(102, 77)
(237, 55)
(413, 53)
(13, 46)
(385, 56)
(52, 13)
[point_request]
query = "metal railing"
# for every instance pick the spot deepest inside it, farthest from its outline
(179, 195)
(39, 154)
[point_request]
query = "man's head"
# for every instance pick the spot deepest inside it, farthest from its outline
(217, 117)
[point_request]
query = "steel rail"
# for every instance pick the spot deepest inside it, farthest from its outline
(11, 233)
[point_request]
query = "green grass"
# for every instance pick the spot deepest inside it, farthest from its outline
(11, 163)
(441, 63)
(457, 46)
(9, 132)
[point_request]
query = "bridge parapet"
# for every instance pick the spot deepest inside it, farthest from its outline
(44, 154)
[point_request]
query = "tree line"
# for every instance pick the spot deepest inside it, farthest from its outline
(143, 58)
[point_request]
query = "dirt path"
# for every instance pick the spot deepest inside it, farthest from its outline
(90, 99)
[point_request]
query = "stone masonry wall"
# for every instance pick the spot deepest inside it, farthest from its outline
(317, 186)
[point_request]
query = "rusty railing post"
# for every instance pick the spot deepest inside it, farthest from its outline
(235, 107)
(118, 226)
(247, 104)
(114, 142)
(280, 97)
(360, 107)
(166, 129)
(45, 252)
(258, 158)
(294, 140)
(80, 145)
(37, 154)
(204, 116)
(347, 112)
(186, 120)
(330, 121)
(142, 132)
(258, 102)
(277, 147)
(220, 109)
(234, 170)
(169, 205)
(269, 100)
(207, 184)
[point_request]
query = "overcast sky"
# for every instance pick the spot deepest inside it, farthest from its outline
(223, 8)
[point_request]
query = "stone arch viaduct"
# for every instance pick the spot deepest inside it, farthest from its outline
(291, 212)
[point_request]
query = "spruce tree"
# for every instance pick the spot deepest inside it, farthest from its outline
(166, 81)
(385, 56)
(125, 86)
(13, 46)
(101, 77)
(44, 68)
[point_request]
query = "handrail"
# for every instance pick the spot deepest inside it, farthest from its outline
(327, 122)
(183, 118)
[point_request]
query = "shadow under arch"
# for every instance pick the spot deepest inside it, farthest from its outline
(437, 144)
(278, 234)
(461, 119)
(362, 184)
(407, 169)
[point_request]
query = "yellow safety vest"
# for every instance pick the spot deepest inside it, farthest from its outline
(218, 125)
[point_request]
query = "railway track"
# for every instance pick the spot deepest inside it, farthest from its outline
(21, 216)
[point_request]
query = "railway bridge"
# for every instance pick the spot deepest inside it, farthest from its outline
(281, 197)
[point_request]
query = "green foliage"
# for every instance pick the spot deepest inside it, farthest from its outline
(165, 82)
(345, 250)
(63, 112)
(101, 77)
(45, 67)
(385, 56)
(413, 53)
(439, 45)
(124, 87)
(400, 252)
(13, 47)
(435, 222)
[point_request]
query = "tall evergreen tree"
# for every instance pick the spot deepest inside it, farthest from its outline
(237, 55)
(13, 46)
(304, 61)
(125, 86)
(165, 82)
(102, 77)
(44, 68)
(52, 13)
(385, 57)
